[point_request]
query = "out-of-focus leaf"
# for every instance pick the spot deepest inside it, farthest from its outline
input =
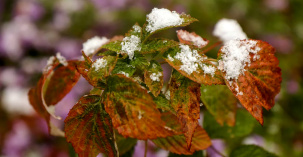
(88, 127)
(185, 99)
(177, 144)
(199, 74)
(61, 81)
(187, 19)
(123, 67)
(157, 45)
(260, 82)
(243, 127)
(133, 112)
(125, 144)
(196, 154)
(220, 102)
(191, 39)
(153, 77)
(251, 150)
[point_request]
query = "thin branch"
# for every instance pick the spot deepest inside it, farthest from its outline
(219, 153)
(145, 152)
(211, 47)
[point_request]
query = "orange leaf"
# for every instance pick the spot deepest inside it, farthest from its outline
(133, 112)
(259, 82)
(177, 143)
(88, 127)
(191, 39)
(185, 99)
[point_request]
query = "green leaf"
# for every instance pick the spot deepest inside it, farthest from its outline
(163, 104)
(157, 45)
(220, 102)
(139, 62)
(123, 67)
(97, 75)
(205, 72)
(243, 127)
(153, 77)
(133, 112)
(113, 46)
(187, 19)
(251, 150)
(136, 30)
(185, 99)
(125, 144)
(89, 128)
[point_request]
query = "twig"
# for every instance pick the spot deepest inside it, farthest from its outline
(213, 148)
(211, 47)
(145, 152)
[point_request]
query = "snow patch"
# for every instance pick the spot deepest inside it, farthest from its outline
(161, 18)
(93, 44)
(155, 76)
(228, 29)
(130, 45)
(197, 40)
(61, 59)
(99, 63)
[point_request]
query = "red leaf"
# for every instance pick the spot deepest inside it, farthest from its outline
(185, 99)
(191, 39)
(88, 127)
(261, 80)
(133, 112)
(41, 96)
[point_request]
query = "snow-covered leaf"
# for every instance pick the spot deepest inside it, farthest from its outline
(250, 150)
(153, 77)
(191, 39)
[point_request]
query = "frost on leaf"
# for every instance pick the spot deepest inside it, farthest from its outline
(133, 112)
(51, 88)
(177, 143)
(193, 65)
(92, 45)
(191, 39)
(185, 99)
(153, 77)
(255, 81)
(222, 105)
(89, 128)
(228, 29)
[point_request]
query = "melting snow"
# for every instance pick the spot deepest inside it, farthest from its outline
(197, 40)
(93, 44)
(161, 18)
(228, 29)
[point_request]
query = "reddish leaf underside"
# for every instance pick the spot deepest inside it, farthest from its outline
(198, 76)
(61, 81)
(260, 83)
(185, 99)
(133, 112)
(191, 39)
(88, 127)
(177, 144)
(154, 71)
(35, 93)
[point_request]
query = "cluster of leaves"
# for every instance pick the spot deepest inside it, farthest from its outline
(126, 104)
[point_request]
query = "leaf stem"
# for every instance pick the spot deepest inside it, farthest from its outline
(211, 47)
(163, 62)
(145, 152)
(219, 153)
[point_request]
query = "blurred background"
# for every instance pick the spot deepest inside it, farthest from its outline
(33, 30)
